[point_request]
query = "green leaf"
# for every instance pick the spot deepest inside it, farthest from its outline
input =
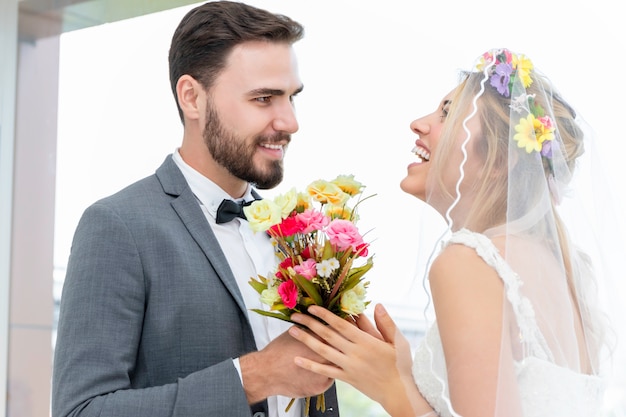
(309, 288)
(306, 301)
(359, 271)
(257, 285)
(350, 282)
(271, 314)
(328, 251)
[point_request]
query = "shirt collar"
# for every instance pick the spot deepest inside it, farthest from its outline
(206, 191)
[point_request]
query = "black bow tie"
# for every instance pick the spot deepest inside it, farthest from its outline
(230, 209)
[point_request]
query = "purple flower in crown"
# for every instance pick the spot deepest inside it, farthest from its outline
(501, 77)
(546, 149)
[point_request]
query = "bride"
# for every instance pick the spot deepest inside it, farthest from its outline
(518, 329)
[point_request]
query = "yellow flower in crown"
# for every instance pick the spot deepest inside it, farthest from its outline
(533, 132)
(263, 214)
(348, 184)
(504, 68)
(287, 202)
(524, 66)
(525, 135)
(482, 62)
(544, 129)
(327, 192)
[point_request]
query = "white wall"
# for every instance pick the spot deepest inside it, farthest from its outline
(368, 69)
(8, 70)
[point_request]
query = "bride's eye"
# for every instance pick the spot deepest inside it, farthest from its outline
(445, 109)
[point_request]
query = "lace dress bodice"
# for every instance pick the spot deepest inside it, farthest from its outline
(545, 388)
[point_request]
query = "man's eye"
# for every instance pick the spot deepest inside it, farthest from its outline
(265, 99)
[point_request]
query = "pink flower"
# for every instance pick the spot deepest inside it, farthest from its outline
(312, 220)
(546, 121)
(509, 55)
(307, 269)
(344, 234)
(288, 293)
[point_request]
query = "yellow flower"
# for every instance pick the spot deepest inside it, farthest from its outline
(287, 202)
(262, 214)
(482, 62)
(270, 296)
(525, 136)
(352, 303)
(338, 212)
(348, 184)
(327, 192)
(360, 289)
(523, 66)
(543, 133)
(304, 202)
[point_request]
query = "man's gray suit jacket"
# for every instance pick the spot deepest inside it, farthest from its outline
(151, 315)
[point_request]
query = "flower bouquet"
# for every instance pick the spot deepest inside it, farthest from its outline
(318, 247)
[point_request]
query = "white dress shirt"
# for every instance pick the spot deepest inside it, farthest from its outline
(248, 254)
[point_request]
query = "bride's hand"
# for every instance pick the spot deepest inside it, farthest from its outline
(364, 323)
(375, 360)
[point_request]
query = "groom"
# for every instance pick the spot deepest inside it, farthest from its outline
(154, 315)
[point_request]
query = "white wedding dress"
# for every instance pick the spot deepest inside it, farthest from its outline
(545, 388)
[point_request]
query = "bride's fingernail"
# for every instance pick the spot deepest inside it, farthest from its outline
(294, 331)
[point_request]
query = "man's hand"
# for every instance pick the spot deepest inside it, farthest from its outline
(272, 371)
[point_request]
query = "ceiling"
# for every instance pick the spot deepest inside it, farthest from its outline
(44, 18)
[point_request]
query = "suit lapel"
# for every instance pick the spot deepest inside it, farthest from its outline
(188, 209)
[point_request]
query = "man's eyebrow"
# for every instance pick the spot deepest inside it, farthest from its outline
(272, 92)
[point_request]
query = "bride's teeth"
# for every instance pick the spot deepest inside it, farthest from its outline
(421, 153)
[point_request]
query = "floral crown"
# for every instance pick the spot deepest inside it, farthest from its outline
(535, 129)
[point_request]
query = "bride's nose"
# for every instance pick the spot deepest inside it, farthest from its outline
(420, 126)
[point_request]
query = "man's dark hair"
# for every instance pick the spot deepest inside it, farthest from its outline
(207, 34)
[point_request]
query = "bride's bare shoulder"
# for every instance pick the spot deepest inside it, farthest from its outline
(460, 267)
(457, 258)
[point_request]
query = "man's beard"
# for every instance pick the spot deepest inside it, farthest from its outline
(237, 156)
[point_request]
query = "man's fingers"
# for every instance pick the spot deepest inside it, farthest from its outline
(329, 371)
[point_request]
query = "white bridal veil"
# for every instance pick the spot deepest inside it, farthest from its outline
(517, 165)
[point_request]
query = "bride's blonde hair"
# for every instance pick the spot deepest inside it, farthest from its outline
(495, 148)
(490, 190)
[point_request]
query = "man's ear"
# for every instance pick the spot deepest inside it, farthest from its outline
(190, 97)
